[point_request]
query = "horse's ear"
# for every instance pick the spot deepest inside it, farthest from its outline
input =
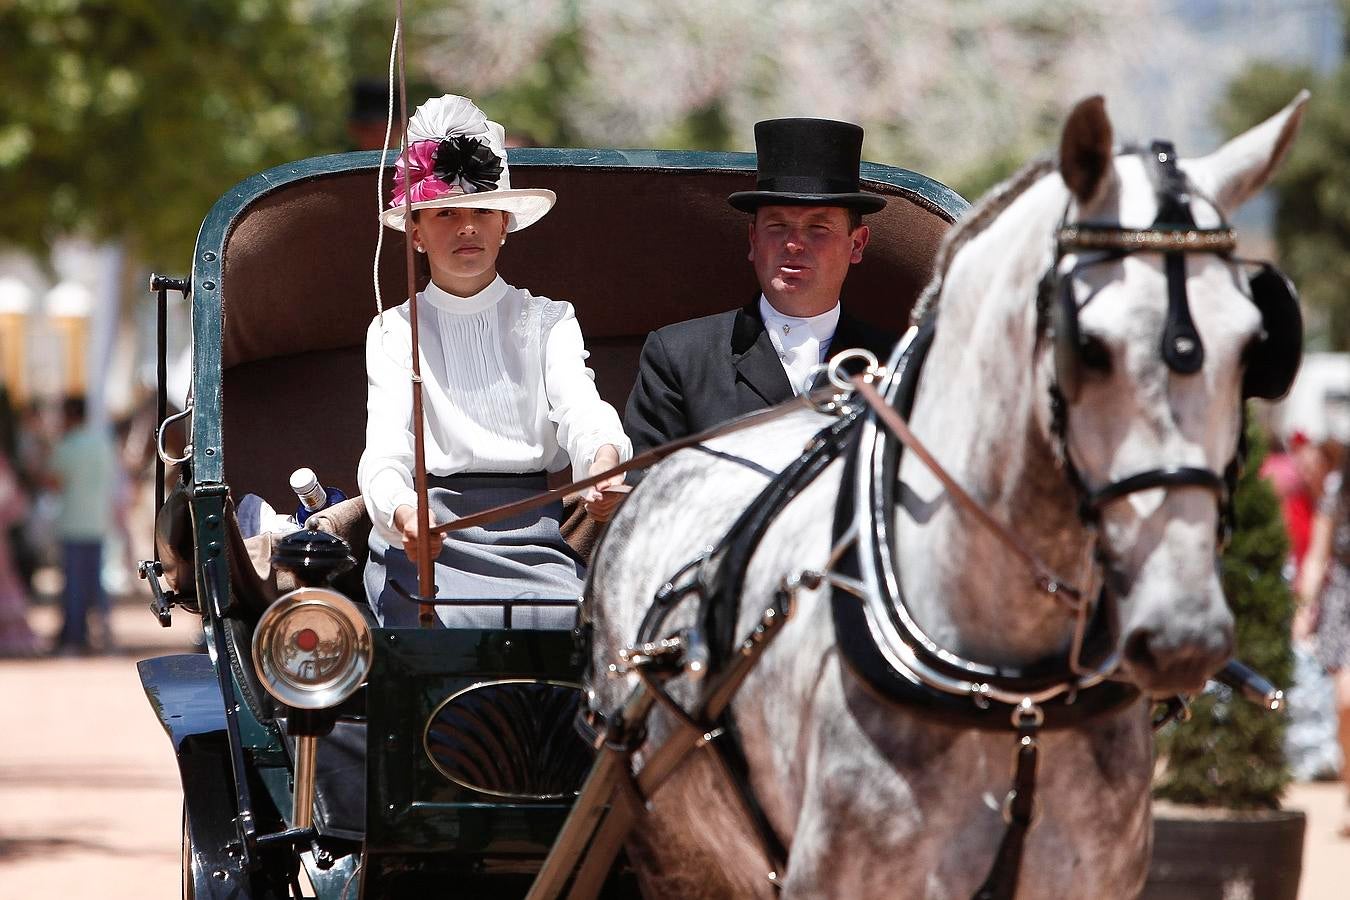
(1085, 148)
(1241, 167)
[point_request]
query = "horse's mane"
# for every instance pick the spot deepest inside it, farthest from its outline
(976, 219)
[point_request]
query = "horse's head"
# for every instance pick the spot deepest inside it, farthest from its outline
(1155, 335)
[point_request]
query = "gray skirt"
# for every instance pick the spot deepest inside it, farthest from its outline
(510, 564)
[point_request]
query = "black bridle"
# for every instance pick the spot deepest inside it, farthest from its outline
(1175, 235)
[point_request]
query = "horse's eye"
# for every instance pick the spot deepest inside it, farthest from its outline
(1095, 355)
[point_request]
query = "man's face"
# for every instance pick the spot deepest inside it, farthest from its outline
(801, 255)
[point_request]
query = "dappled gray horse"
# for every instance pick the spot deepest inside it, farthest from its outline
(1129, 365)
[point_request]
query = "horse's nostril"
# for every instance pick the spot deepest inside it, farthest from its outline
(1137, 648)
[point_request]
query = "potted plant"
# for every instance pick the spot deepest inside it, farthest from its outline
(1219, 831)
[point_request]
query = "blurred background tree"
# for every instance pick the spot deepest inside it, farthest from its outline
(1312, 192)
(961, 91)
(126, 119)
(127, 115)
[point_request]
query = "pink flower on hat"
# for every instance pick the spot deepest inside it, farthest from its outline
(453, 153)
(418, 166)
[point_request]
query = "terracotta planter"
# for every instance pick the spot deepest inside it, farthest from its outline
(1218, 854)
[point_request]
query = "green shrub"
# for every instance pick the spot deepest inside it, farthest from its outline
(1231, 752)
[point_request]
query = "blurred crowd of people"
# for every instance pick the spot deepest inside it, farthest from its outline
(66, 491)
(1312, 480)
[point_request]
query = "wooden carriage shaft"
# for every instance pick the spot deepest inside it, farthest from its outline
(592, 833)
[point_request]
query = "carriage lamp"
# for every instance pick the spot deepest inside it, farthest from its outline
(312, 648)
(312, 651)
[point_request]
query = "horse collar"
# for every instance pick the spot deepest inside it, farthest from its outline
(880, 641)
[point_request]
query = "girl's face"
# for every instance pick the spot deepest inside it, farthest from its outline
(461, 244)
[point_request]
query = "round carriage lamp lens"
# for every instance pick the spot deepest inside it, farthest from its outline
(312, 648)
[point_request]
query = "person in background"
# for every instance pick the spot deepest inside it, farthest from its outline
(1323, 591)
(16, 637)
(83, 470)
(1296, 493)
(34, 540)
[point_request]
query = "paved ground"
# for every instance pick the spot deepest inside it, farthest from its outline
(89, 792)
(89, 795)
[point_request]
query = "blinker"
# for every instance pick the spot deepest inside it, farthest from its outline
(1273, 361)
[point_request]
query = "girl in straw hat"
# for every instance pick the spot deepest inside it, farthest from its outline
(507, 394)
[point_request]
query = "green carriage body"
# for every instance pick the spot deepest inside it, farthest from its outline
(281, 299)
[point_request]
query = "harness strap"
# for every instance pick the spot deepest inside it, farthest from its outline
(719, 603)
(739, 460)
(1001, 882)
(729, 757)
(1181, 347)
(1181, 476)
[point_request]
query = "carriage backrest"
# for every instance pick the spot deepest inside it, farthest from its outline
(639, 239)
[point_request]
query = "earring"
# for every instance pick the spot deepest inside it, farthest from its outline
(421, 249)
(503, 242)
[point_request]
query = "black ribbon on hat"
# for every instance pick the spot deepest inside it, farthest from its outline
(468, 160)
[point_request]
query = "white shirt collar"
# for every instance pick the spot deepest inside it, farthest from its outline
(821, 327)
(452, 303)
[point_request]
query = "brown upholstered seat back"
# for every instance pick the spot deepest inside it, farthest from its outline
(633, 248)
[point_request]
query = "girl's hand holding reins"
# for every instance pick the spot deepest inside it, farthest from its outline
(602, 499)
(405, 521)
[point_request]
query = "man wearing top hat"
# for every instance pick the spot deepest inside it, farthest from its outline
(806, 230)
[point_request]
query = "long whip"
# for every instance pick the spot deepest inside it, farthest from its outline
(426, 577)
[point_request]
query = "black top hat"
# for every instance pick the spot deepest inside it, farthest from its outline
(807, 162)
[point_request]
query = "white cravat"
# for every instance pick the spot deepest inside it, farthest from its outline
(801, 343)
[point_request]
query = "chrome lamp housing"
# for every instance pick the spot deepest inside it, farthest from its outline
(312, 648)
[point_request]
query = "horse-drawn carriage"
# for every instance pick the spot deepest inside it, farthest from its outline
(409, 762)
(824, 636)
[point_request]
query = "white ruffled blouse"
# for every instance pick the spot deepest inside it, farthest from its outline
(505, 389)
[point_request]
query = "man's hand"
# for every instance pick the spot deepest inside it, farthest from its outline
(602, 499)
(405, 521)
